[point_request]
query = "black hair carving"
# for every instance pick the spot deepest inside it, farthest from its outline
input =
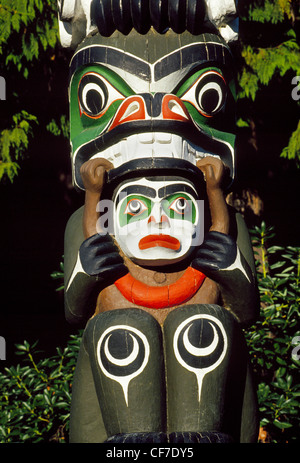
(124, 15)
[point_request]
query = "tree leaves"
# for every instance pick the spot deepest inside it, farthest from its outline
(27, 27)
(271, 53)
(35, 396)
(270, 339)
(14, 142)
(28, 34)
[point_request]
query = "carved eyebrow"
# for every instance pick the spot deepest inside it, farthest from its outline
(195, 53)
(113, 56)
(139, 189)
(167, 190)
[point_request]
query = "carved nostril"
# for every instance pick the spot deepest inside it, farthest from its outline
(163, 221)
(131, 109)
(173, 108)
(176, 108)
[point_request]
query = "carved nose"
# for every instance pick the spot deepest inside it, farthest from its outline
(162, 222)
(158, 218)
(160, 106)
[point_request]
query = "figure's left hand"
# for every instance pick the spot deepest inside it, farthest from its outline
(218, 252)
(213, 170)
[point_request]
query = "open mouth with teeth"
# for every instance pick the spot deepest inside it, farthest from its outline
(164, 241)
(151, 145)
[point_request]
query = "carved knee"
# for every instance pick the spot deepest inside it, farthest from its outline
(206, 365)
(126, 355)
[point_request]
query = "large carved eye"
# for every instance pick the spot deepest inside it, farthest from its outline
(92, 94)
(208, 93)
(95, 94)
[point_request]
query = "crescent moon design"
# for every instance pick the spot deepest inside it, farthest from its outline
(214, 353)
(126, 361)
(200, 351)
(123, 370)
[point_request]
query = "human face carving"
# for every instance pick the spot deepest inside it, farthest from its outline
(157, 222)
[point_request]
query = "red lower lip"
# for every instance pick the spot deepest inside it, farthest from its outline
(164, 241)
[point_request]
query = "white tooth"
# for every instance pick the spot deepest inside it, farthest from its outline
(117, 150)
(147, 137)
(124, 150)
(130, 149)
(162, 137)
(177, 146)
(184, 150)
(146, 151)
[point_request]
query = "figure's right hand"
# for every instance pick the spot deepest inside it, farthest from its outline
(93, 172)
(100, 257)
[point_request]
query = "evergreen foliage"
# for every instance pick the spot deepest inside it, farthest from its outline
(271, 59)
(271, 339)
(29, 50)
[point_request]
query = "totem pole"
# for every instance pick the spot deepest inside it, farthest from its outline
(158, 268)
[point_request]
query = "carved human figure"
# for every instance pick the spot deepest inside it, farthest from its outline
(158, 268)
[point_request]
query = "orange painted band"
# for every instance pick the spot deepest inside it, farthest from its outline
(160, 297)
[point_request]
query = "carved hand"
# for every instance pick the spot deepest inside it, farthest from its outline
(100, 257)
(218, 252)
(93, 177)
(214, 171)
(92, 173)
(221, 260)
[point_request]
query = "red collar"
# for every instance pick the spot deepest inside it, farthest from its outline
(160, 297)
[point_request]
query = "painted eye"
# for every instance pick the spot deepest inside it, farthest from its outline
(92, 94)
(180, 206)
(135, 207)
(208, 94)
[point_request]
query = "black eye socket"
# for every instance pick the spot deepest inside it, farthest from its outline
(211, 93)
(93, 95)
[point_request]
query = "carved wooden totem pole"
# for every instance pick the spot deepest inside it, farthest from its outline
(157, 267)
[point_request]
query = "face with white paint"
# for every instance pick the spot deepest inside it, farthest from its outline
(158, 221)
